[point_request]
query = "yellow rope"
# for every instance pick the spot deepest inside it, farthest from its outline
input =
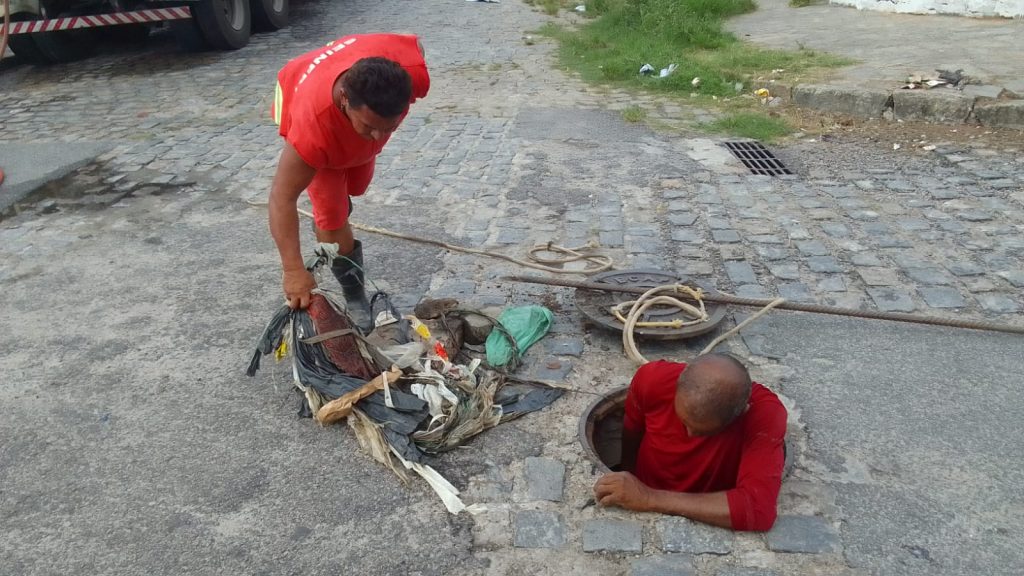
(657, 297)
(600, 262)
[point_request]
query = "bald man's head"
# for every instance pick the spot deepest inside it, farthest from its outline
(712, 392)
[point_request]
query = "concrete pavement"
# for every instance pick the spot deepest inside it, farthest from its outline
(135, 445)
(887, 48)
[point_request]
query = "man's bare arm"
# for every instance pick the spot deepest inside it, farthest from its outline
(624, 490)
(292, 177)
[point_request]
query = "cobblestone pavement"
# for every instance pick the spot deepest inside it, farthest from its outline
(147, 421)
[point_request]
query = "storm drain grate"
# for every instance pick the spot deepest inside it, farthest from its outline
(757, 158)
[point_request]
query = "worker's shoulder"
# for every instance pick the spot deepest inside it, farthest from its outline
(657, 376)
(765, 407)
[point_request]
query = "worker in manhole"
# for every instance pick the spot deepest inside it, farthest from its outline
(336, 108)
(700, 441)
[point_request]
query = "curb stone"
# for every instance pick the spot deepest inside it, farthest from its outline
(975, 104)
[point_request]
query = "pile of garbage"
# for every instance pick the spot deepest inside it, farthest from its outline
(408, 385)
(945, 78)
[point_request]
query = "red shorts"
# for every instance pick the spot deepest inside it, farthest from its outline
(331, 192)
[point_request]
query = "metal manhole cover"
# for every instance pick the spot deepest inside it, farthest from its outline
(757, 158)
(597, 305)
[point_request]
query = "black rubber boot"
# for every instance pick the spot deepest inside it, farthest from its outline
(348, 269)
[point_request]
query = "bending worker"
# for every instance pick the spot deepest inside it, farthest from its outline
(700, 441)
(337, 107)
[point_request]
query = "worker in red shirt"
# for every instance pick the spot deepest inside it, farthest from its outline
(337, 107)
(700, 441)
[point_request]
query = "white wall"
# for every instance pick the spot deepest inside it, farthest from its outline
(1006, 8)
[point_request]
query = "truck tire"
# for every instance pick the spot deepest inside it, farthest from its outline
(24, 45)
(54, 47)
(269, 15)
(225, 24)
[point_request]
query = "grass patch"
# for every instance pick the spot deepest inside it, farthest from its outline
(550, 7)
(800, 3)
(750, 125)
(629, 33)
(634, 114)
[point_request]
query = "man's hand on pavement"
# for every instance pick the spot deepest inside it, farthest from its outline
(297, 286)
(624, 490)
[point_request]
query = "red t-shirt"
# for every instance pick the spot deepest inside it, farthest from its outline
(309, 121)
(745, 459)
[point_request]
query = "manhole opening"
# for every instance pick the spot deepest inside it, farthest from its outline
(601, 430)
(757, 158)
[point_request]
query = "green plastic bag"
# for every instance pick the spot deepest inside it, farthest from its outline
(527, 324)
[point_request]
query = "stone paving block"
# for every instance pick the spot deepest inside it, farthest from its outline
(863, 215)
(948, 106)
(929, 276)
(682, 218)
(1015, 277)
(796, 292)
(610, 535)
(694, 268)
(564, 346)
(891, 300)
(852, 101)
(965, 268)
(611, 238)
(865, 259)
(827, 264)
(952, 226)
(545, 478)
(751, 291)
(998, 303)
(719, 223)
(832, 284)
(686, 235)
(663, 565)
(740, 272)
(539, 529)
(725, 236)
(975, 215)
(682, 535)
(491, 530)
(511, 236)
(766, 239)
(889, 241)
(772, 253)
(836, 230)
(785, 271)
(803, 534)
(812, 248)
(745, 571)
(873, 277)
(552, 369)
(942, 297)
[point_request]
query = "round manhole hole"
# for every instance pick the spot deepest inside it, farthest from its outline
(601, 430)
(597, 305)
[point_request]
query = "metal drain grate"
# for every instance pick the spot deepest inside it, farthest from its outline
(757, 158)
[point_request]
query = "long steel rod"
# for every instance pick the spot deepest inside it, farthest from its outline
(762, 302)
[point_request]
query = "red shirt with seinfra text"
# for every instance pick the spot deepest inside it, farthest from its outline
(745, 459)
(304, 103)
